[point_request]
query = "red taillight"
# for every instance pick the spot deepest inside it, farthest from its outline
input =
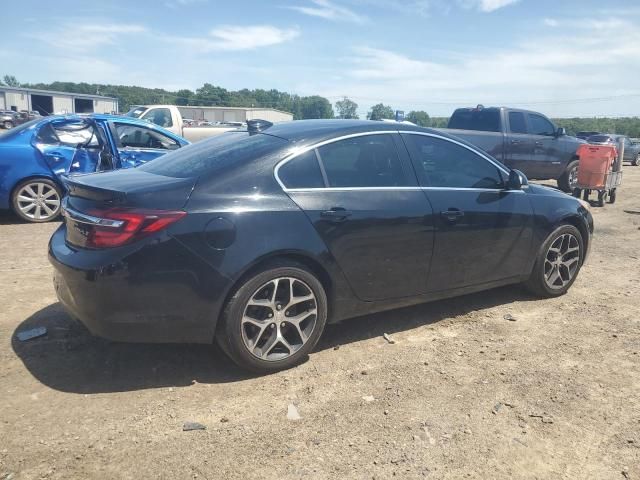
(136, 224)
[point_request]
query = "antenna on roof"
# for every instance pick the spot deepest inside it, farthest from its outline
(257, 125)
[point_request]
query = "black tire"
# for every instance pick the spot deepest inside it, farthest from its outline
(8, 124)
(636, 161)
(536, 283)
(612, 196)
(563, 182)
(601, 196)
(28, 216)
(229, 334)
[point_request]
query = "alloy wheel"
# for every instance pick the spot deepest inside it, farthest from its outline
(573, 177)
(562, 261)
(279, 318)
(38, 201)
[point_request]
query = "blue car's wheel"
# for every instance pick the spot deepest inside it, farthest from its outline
(37, 200)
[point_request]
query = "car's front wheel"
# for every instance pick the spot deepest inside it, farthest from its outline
(274, 319)
(558, 262)
(636, 161)
(8, 124)
(37, 200)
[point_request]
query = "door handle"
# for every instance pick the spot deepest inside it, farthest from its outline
(515, 142)
(336, 214)
(538, 144)
(452, 215)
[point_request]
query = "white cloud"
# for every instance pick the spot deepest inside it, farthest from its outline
(491, 5)
(82, 36)
(551, 22)
(541, 74)
(329, 11)
(237, 37)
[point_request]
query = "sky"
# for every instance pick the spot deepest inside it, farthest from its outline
(564, 58)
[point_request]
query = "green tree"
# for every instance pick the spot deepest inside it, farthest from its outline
(380, 111)
(419, 117)
(315, 107)
(347, 108)
(11, 81)
(183, 97)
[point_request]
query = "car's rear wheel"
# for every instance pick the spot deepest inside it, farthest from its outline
(569, 179)
(37, 200)
(557, 263)
(274, 319)
(8, 124)
(636, 161)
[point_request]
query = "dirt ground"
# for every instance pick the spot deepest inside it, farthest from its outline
(463, 392)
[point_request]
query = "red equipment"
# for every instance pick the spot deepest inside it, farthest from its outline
(596, 172)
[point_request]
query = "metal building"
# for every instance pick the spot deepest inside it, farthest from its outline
(49, 102)
(234, 114)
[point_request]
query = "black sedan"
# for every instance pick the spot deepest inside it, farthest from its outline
(257, 239)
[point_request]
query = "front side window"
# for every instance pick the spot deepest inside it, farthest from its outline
(302, 172)
(517, 123)
(159, 116)
(134, 136)
(365, 161)
(444, 164)
(540, 125)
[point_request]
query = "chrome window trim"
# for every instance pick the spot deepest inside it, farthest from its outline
(294, 155)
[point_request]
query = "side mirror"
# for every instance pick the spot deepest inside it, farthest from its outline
(561, 132)
(517, 180)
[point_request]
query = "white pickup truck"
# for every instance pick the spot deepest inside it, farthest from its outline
(169, 118)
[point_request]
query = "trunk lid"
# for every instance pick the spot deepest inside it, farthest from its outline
(92, 200)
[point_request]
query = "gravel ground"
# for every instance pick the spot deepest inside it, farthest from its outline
(553, 392)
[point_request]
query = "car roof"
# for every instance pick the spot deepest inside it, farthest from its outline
(313, 131)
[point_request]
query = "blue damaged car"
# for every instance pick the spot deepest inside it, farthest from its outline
(35, 155)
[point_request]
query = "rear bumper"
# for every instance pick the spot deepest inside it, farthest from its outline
(152, 293)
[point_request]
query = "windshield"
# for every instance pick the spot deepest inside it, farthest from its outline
(599, 139)
(210, 155)
(135, 112)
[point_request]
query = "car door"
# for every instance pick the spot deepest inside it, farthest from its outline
(547, 148)
(519, 148)
(483, 231)
(69, 146)
(138, 144)
(363, 200)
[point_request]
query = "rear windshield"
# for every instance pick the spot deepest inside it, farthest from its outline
(599, 138)
(482, 120)
(210, 155)
(136, 112)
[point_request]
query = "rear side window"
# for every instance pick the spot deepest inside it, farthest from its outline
(484, 120)
(517, 123)
(599, 138)
(365, 161)
(302, 172)
(208, 156)
(443, 164)
(540, 125)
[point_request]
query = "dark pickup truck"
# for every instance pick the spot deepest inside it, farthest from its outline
(520, 139)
